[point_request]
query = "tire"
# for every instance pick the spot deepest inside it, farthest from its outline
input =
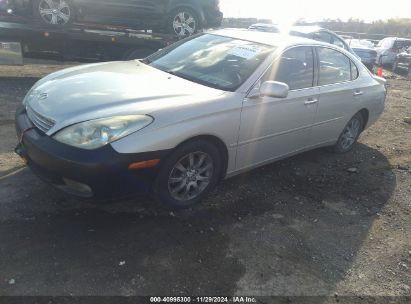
(178, 184)
(54, 13)
(347, 139)
(395, 66)
(187, 19)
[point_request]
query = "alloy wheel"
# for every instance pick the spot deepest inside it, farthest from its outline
(184, 24)
(190, 176)
(55, 12)
(350, 133)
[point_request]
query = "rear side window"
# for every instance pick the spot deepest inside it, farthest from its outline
(335, 67)
(295, 68)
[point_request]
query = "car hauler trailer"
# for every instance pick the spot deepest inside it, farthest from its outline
(79, 42)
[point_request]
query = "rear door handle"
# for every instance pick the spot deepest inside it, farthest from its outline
(358, 93)
(311, 101)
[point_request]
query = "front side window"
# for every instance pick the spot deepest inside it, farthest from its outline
(216, 61)
(295, 67)
(335, 67)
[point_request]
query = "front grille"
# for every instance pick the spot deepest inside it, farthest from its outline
(42, 123)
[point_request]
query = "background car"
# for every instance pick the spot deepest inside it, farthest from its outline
(403, 62)
(321, 34)
(388, 49)
(365, 50)
(206, 108)
(265, 27)
(180, 17)
(310, 32)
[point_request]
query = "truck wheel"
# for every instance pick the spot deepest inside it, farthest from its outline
(183, 22)
(56, 13)
(188, 174)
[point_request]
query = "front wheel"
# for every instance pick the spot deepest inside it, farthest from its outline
(188, 174)
(183, 22)
(349, 135)
(56, 13)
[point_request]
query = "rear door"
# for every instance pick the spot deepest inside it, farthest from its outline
(338, 94)
(274, 127)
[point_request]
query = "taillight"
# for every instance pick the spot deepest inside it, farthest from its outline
(394, 50)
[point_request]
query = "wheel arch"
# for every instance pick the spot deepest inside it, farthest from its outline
(218, 143)
(365, 115)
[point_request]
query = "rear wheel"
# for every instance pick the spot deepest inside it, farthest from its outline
(56, 13)
(188, 174)
(349, 135)
(183, 22)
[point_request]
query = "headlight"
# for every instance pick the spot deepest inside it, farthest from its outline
(97, 133)
(30, 95)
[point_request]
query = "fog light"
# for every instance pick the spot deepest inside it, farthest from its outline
(76, 188)
(10, 11)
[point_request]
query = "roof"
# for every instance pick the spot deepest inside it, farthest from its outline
(267, 38)
(307, 29)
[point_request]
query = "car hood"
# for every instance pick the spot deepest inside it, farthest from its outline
(107, 89)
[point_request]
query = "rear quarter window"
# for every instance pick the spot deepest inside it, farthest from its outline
(354, 71)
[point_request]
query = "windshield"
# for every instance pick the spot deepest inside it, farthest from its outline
(219, 62)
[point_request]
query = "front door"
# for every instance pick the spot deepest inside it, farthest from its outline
(273, 127)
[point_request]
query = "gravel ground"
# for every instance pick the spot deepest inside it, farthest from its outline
(303, 226)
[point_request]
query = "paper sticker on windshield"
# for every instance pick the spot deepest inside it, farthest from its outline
(243, 52)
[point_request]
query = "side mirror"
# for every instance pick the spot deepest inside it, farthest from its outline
(274, 89)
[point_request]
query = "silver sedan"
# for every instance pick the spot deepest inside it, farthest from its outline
(206, 108)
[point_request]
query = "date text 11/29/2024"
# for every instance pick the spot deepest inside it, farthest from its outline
(237, 299)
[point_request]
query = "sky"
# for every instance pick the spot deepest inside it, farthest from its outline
(288, 11)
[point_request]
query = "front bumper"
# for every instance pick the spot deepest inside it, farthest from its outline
(99, 174)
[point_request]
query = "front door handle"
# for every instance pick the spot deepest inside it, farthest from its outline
(358, 93)
(311, 101)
